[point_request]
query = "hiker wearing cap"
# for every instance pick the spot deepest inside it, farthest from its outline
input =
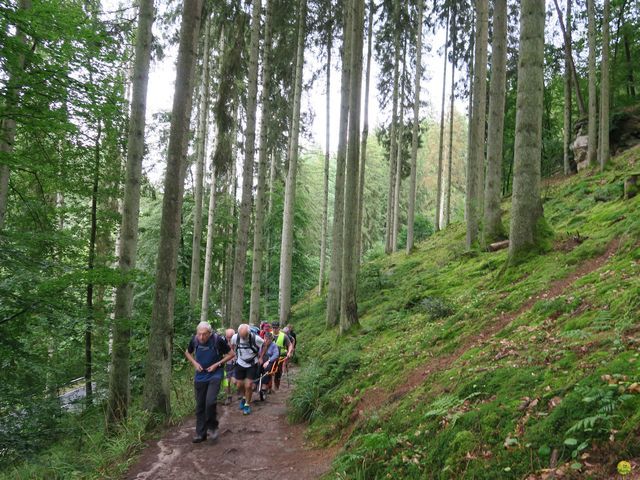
(246, 346)
(207, 352)
(285, 345)
(267, 358)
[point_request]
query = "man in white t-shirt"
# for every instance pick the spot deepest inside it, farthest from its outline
(246, 346)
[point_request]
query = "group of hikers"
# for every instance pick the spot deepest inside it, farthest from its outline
(251, 360)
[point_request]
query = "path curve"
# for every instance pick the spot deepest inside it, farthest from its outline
(258, 446)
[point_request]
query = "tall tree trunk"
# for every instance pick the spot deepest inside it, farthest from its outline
(475, 163)
(416, 129)
(208, 256)
(398, 175)
(258, 227)
(592, 145)
(232, 233)
(286, 249)
(325, 191)
(567, 95)
(393, 144)
(88, 332)
(566, 33)
(436, 222)
(335, 273)
(119, 394)
(211, 214)
(365, 136)
(267, 289)
(452, 96)
(348, 298)
(8, 124)
(493, 228)
(201, 154)
(157, 384)
(240, 260)
(526, 209)
(604, 89)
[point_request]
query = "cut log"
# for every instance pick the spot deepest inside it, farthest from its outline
(494, 247)
(631, 186)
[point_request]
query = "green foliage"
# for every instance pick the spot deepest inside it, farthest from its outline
(494, 403)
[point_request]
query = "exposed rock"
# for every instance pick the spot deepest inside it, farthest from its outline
(579, 147)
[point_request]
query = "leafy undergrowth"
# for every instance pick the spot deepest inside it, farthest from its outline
(83, 449)
(464, 369)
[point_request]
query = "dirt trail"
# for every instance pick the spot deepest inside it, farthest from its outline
(258, 446)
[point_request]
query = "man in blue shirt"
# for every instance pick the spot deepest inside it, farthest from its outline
(207, 352)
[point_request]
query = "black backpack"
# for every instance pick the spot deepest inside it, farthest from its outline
(252, 343)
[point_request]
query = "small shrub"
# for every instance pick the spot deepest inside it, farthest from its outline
(436, 307)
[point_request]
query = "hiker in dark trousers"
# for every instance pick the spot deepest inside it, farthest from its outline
(285, 345)
(229, 369)
(208, 352)
(246, 346)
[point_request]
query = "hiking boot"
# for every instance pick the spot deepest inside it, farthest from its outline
(262, 394)
(214, 434)
(199, 438)
(246, 410)
(242, 404)
(228, 400)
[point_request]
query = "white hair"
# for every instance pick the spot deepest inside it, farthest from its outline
(205, 325)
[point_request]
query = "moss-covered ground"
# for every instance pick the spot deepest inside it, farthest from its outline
(463, 368)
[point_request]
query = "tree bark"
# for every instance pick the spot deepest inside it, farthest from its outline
(201, 153)
(119, 392)
(604, 89)
(416, 129)
(568, 62)
(493, 228)
(452, 96)
(566, 33)
(258, 227)
(8, 124)
(592, 146)
(365, 137)
(157, 385)
(286, 249)
(240, 260)
(475, 163)
(436, 222)
(393, 145)
(335, 273)
(349, 304)
(526, 209)
(398, 166)
(211, 214)
(325, 191)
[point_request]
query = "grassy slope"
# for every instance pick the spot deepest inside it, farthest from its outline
(462, 370)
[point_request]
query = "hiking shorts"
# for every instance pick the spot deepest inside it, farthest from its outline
(249, 373)
(230, 369)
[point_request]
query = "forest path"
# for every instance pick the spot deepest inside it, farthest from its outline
(257, 446)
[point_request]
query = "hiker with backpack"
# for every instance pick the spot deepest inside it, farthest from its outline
(208, 352)
(285, 345)
(268, 361)
(246, 345)
(229, 369)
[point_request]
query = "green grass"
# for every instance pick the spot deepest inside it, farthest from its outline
(472, 419)
(86, 451)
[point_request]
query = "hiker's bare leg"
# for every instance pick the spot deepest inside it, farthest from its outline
(248, 390)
